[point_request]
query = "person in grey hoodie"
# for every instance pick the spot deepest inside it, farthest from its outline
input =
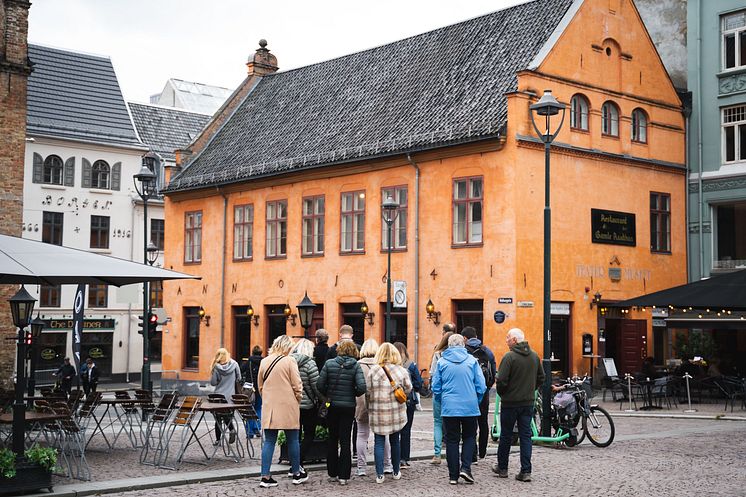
(518, 377)
(225, 373)
(309, 374)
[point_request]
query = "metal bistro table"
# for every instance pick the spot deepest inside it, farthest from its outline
(647, 385)
(35, 420)
(123, 414)
(223, 414)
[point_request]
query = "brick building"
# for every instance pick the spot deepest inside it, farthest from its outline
(282, 193)
(14, 72)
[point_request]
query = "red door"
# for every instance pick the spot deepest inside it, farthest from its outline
(633, 345)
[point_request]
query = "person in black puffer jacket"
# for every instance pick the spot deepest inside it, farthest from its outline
(341, 380)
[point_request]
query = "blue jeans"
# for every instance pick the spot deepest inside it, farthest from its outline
(508, 418)
(406, 433)
(437, 427)
(458, 428)
(255, 426)
(378, 450)
(268, 450)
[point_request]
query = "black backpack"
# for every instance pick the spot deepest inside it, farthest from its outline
(483, 359)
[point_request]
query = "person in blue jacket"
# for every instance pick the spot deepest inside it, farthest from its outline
(459, 384)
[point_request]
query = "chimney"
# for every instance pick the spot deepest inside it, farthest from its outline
(262, 62)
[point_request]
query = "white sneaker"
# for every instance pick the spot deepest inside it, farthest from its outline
(332, 479)
(361, 472)
(380, 478)
(342, 482)
(397, 476)
(388, 471)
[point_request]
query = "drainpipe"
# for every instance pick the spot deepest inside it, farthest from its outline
(416, 257)
(687, 117)
(129, 306)
(700, 199)
(222, 269)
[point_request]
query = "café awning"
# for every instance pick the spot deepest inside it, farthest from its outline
(721, 292)
(25, 261)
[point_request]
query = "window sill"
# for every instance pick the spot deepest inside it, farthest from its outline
(731, 71)
(244, 259)
(311, 256)
(660, 252)
(638, 142)
(466, 245)
(192, 263)
(97, 250)
(190, 370)
(580, 130)
(393, 250)
(99, 190)
(275, 257)
(613, 137)
(356, 252)
(52, 186)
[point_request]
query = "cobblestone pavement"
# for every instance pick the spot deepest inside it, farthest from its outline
(648, 457)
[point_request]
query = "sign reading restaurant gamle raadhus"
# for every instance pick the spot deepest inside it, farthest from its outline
(617, 228)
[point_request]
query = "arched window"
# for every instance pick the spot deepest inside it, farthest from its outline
(100, 175)
(53, 170)
(579, 112)
(610, 119)
(639, 126)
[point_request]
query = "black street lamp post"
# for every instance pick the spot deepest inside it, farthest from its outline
(305, 313)
(37, 325)
(547, 107)
(145, 185)
(389, 212)
(21, 307)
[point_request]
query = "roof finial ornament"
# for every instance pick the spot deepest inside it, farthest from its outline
(263, 43)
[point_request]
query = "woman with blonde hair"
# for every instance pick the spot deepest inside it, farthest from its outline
(367, 361)
(309, 375)
(341, 380)
(225, 372)
(281, 389)
(386, 416)
(437, 418)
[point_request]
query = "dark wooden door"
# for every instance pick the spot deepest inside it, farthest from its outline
(633, 345)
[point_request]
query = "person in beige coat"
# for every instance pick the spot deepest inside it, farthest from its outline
(281, 389)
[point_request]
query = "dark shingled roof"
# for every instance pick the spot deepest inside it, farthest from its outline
(76, 96)
(436, 89)
(165, 129)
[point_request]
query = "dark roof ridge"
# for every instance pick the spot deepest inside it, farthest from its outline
(70, 51)
(397, 41)
(168, 107)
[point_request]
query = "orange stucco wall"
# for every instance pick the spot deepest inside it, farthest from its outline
(600, 172)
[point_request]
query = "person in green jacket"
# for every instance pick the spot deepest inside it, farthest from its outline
(309, 376)
(519, 375)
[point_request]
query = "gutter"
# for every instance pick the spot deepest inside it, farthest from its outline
(416, 257)
(222, 268)
(700, 199)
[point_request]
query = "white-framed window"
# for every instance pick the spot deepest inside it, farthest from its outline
(193, 237)
(52, 172)
(100, 174)
(610, 119)
(352, 237)
(399, 226)
(313, 225)
(277, 228)
(579, 112)
(467, 210)
(734, 133)
(639, 126)
(733, 30)
(243, 232)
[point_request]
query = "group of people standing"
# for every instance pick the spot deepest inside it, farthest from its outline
(89, 375)
(372, 389)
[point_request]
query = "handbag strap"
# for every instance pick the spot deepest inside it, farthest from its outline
(271, 367)
(388, 375)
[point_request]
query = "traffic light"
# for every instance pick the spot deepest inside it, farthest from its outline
(140, 325)
(152, 324)
(27, 339)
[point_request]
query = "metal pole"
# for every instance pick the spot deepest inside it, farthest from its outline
(388, 286)
(687, 377)
(547, 390)
(145, 303)
(628, 377)
(19, 409)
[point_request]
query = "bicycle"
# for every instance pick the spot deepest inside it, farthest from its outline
(570, 406)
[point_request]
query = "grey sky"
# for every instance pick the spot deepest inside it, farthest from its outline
(208, 41)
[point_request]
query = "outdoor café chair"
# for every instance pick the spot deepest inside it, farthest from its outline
(153, 446)
(182, 422)
(129, 417)
(73, 402)
(72, 443)
(247, 413)
(86, 412)
(663, 390)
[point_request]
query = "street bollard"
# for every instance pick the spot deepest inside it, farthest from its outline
(687, 377)
(628, 377)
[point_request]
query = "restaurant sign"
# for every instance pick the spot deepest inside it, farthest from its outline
(617, 228)
(88, 324)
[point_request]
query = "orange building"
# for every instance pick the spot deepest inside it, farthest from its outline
(282, 194)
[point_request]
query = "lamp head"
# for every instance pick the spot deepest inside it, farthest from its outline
(547, 105)
(21, 307)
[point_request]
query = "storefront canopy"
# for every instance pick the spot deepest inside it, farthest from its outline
(725, 291)
(32, 262)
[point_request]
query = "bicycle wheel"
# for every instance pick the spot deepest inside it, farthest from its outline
(599, 427)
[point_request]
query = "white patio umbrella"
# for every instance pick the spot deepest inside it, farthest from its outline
(32, 262)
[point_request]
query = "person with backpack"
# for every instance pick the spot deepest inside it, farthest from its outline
(309, 375)
(412, 401)
(486, 360)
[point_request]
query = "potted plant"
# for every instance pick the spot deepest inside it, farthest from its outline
(317, 451)
(33, 472)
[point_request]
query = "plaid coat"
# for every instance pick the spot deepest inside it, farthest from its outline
(385, 414)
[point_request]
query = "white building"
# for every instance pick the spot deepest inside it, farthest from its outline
(190, 96)
(81, 154)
